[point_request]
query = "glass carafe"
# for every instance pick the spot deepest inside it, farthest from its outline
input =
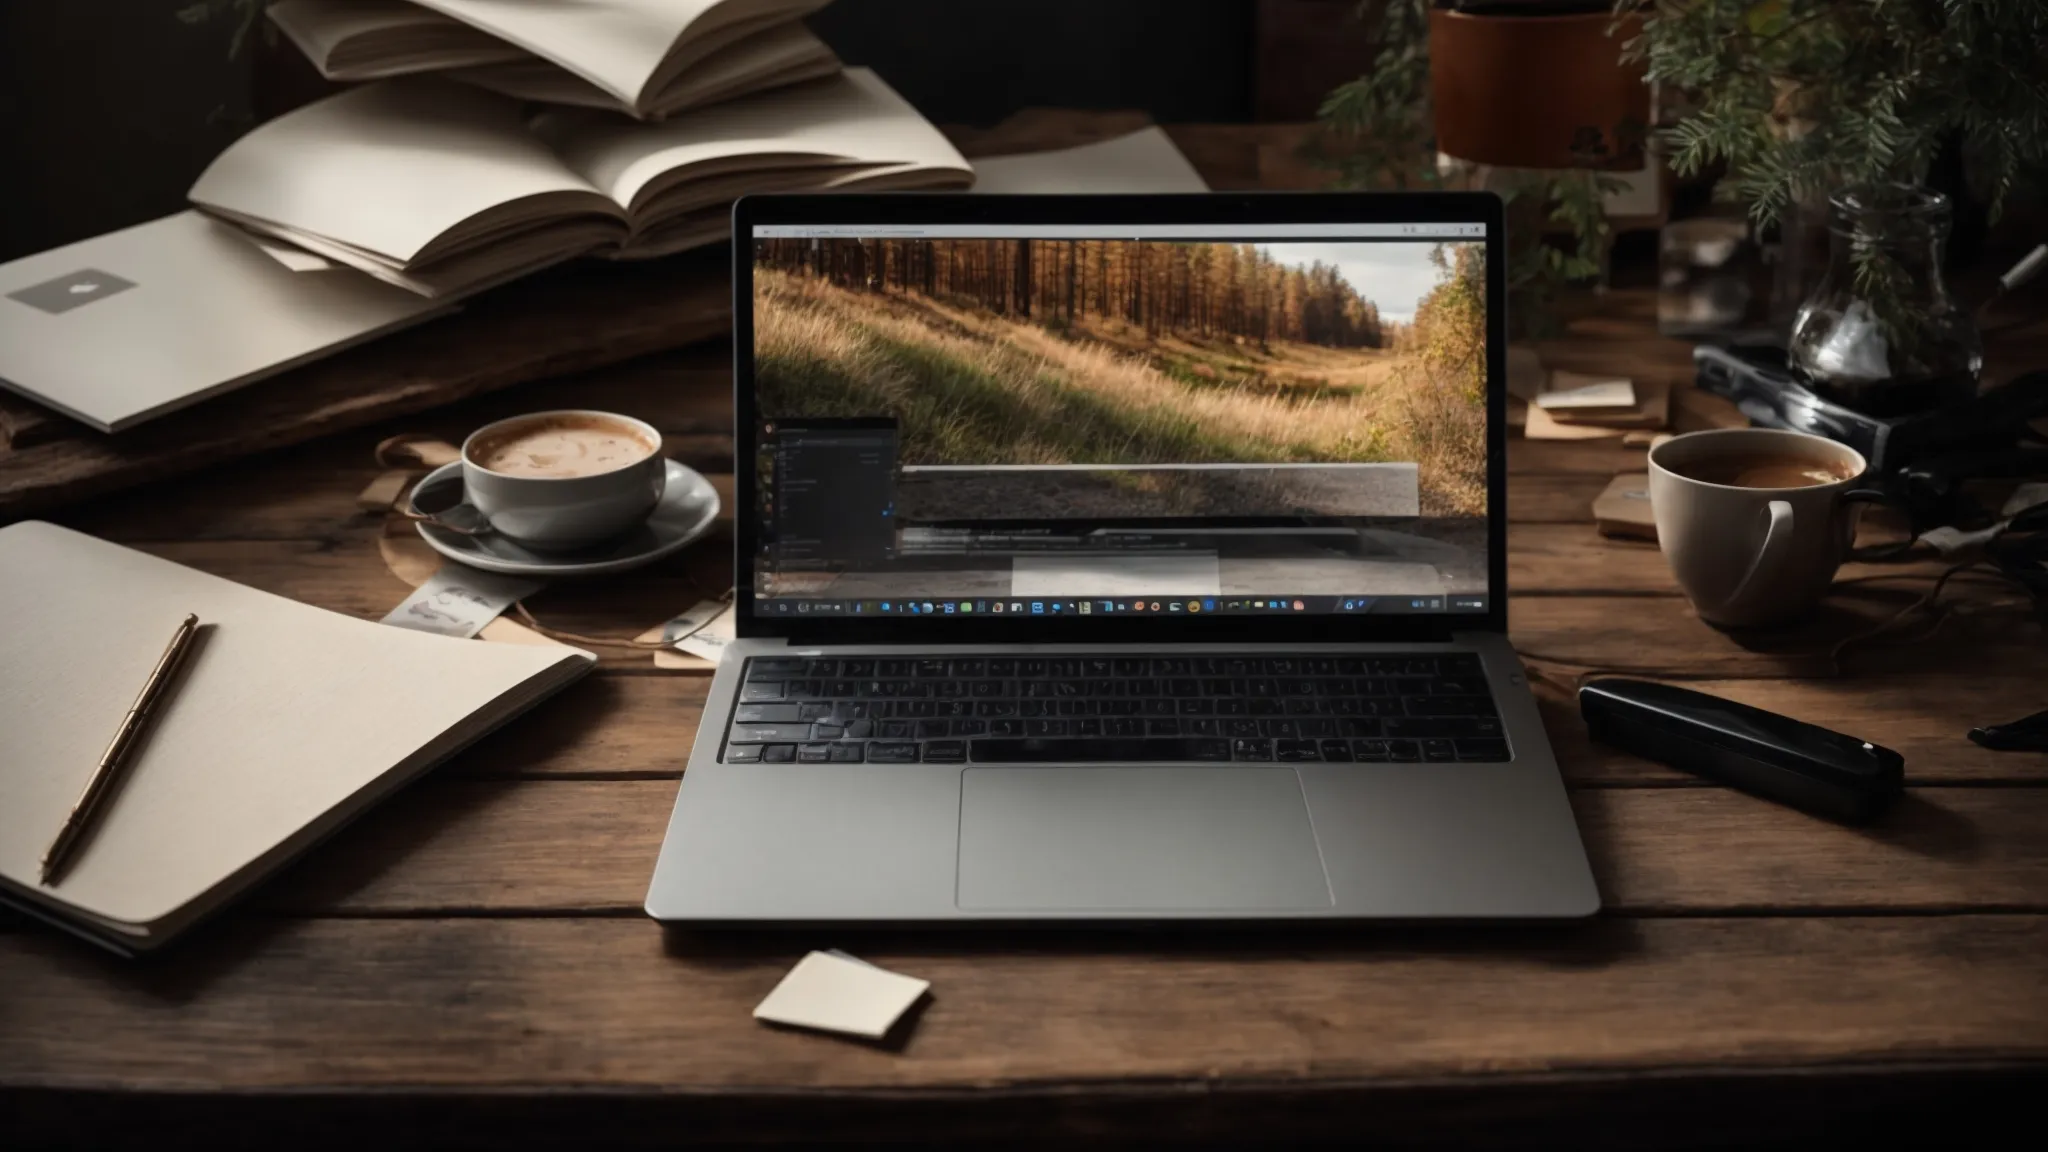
(1881, 333)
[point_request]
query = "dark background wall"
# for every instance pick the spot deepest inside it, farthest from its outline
(112, 107)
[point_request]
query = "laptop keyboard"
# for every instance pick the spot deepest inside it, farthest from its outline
(1115, 708)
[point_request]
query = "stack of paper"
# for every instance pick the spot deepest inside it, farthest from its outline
(445, 189)
(647, 58)
(1572, 406)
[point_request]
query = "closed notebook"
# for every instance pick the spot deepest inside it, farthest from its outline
(123, 328)
(285, 722)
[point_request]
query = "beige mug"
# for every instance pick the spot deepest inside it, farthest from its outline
(1755, 556)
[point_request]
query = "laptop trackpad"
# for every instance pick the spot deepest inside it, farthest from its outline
(1137, 839)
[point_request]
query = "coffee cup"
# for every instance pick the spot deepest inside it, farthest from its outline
(1755, 521)
(559, 481)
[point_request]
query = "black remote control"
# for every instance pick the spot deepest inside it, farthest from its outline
(1810, 768)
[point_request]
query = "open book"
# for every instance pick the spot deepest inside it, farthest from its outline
(648, 58)
(445, 189)
(284, 722)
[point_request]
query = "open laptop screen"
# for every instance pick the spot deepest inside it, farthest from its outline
(1125, 420)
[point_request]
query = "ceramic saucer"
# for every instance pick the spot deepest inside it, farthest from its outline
(688, 507)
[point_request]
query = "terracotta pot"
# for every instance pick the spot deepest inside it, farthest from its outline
(1537, 91)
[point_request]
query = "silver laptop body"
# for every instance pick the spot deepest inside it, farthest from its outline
(1081, 578)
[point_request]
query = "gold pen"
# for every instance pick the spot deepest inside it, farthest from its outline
(117, 752)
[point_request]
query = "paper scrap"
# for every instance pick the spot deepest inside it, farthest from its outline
(458, 601)
(1569, 390)
(381, 495)
(1143, 161)
(1543, 426)
(833, 992)
(703, 631)
(290, 255)
(696, 639)
(2024, 497)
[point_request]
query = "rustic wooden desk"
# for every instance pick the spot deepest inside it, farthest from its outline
(469, 963)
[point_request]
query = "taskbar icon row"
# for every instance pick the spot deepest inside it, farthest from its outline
(1181, 605)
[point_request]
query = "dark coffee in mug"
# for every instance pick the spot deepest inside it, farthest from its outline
(1763, 470)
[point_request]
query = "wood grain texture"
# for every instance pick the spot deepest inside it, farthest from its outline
(524, 1003)
(552, 847)
(568, 320)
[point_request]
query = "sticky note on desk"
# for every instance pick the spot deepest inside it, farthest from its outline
(834, 992)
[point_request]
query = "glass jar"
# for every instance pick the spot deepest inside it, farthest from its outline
(1881, 333)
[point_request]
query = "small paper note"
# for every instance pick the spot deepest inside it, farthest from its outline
(1569, 390)
(833, 992)
(458, 601)
(703, 631)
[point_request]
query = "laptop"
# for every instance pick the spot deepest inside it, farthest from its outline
(1120, 559)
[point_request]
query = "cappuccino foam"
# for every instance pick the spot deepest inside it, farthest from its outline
(562, 449)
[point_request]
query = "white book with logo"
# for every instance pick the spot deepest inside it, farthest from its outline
(123, 328)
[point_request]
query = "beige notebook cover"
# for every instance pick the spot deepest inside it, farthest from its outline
(285, 721)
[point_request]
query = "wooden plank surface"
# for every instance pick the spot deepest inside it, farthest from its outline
(471, 958)
(538, 846)
(511, 1002)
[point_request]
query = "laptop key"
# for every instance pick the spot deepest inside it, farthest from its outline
(945, 752)
(778, 753)
(1449, 706)
(769, 733)
(1336, 751)
(846, 753)
(1438, 750)
(895, 729)
(1482, 749)
(1442, 728)
(892, 752)
(774, 669)
(1404, 751)
(1106, 749)
(1371, 751)
(743, 754)
(771, 690)
(1251, 749)
(814, 753)
(1296, 751)
(1006, 727)
(770, 713)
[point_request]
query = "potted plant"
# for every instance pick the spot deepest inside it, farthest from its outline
(1538, 92)
(1833, 118)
